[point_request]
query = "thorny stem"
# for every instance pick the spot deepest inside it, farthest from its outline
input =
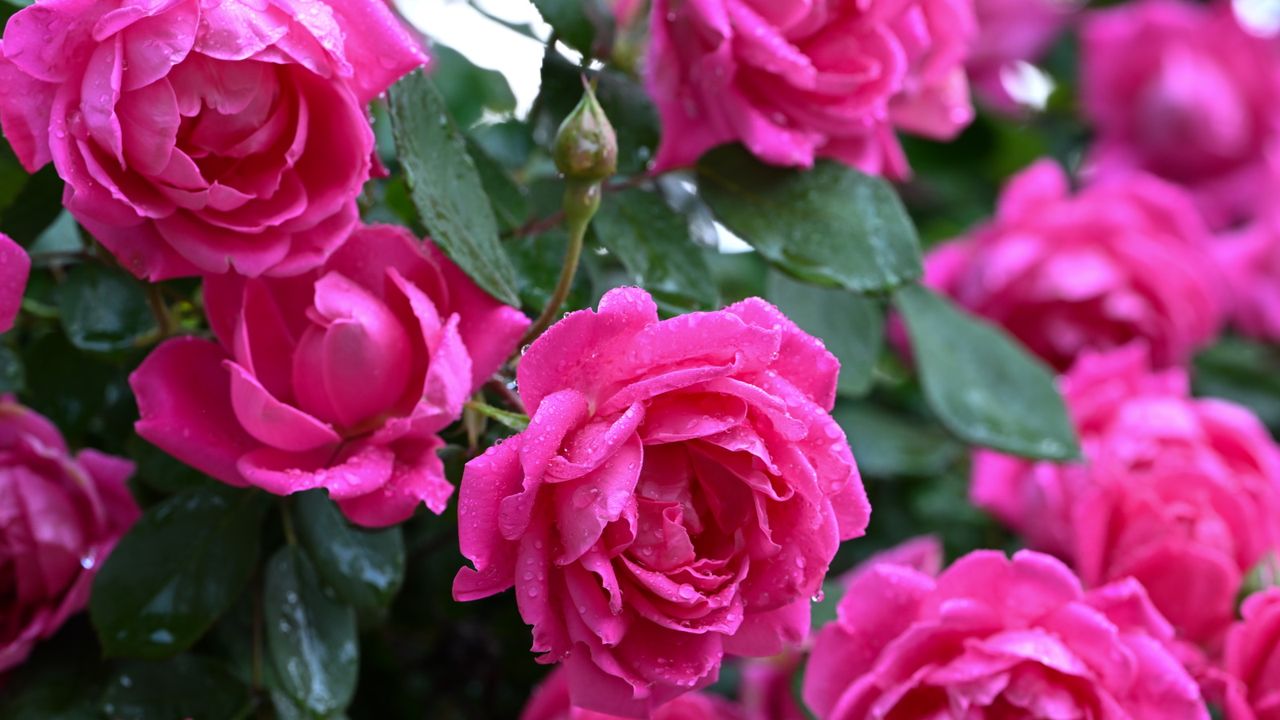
(513, 401)
(164, 323)
(541, 225)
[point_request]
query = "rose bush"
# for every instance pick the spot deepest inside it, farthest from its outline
(1184, 91)
(996, 637)
(1119, 261)
(197, 136)
(1181, 493)
(678, 495)
(795, 80)
(338, 379)
(60, 516)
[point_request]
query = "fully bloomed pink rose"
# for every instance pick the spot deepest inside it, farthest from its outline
(15, 265)
(996, 638)
(1122, 260)
(1182, 90)
(1010, 33)
(550, 701)
(678, 495)
(60, 516)
(338, 379)
(1181, 493)
(1252, 659)
(203, 136)
(794, 80)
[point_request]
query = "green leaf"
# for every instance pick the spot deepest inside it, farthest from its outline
(446, 187)
(12, 178)
(569, 20)
(510, 201)
(311, 637)
(1244, 372)
(469, 90)
(888, 445)
(103, 309)
(40, 201)
(985, 388)
(851, 326)
(652, 242)
(831, 224)
(176, 571)
(516, 421)
(365, 567)
(186, 686)
(13, 376)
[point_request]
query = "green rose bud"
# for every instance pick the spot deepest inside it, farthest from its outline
(586, 147)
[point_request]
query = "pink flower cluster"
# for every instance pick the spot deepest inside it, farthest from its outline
(1180, 493)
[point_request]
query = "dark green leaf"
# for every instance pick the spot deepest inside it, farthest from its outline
(652, 242)
(446, 187)
(365, 567)
(186, 686)
(831, 224)
(103, 308)
(1244, 372)
(178, 569)
(569, 20)
(509, 142)
(40, 201)
(468, 90)
(311, 637)
(510, 201)
(985, 388)
(61, 680)
(851, 325)
(12, 178)
(888, 445)
(13, 376)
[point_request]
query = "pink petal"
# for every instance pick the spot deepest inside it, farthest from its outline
(15, 266)
(184, 398)
(272, 422)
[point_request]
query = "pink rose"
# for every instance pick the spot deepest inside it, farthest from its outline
(1250, 258)
(550, 701)
(336, 379)
(1180, 89)
(203, 136)
(1119, 261)
(1011, 32)
(60, 516)
(15, 265)
(1252, 659)
(794, 79)
(679, 495)
(996, 638)
(1181, 493)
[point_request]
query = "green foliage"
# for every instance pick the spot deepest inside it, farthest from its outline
(311, 636)
(984, 387)
(187, 686)
(364, 567)
(830, 225)
(103, 309)
(446, 186)
(851, 325)
(179, 568)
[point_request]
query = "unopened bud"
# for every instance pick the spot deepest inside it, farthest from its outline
(586, 147)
